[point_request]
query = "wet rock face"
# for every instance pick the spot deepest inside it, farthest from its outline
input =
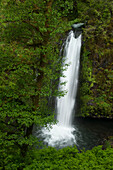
(77, 33)
(77, 28)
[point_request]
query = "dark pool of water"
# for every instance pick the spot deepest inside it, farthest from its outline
(91, 132)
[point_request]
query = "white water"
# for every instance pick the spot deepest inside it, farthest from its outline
(61, 134)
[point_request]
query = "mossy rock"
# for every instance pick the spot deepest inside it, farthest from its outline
(108, 143)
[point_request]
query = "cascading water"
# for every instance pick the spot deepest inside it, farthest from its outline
(65, 105)
(61, 134)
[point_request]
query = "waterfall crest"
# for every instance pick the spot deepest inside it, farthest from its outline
(61, 134)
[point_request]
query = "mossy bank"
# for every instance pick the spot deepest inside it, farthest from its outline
(96, 74)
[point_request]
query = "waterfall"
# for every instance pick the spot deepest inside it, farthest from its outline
(61, 134)
(65, 105)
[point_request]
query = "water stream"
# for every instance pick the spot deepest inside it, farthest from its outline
(61, 134)
(65, 105)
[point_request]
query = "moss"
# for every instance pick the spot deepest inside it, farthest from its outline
(96, 74)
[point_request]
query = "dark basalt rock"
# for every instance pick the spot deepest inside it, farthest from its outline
(77, 28)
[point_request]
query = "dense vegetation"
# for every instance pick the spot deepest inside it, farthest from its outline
(67, 158)
(31, 33)
(97, 58)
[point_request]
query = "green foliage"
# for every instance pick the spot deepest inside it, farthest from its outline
(97, 60)
(30, 33)
(70, 158)
(87, 82)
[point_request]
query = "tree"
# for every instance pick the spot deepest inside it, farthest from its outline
(29, 70)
